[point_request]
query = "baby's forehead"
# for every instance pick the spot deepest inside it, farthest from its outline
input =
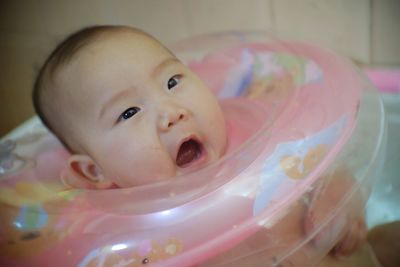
(113, 54)
(113, 45)
(129, 48)
(125, 41)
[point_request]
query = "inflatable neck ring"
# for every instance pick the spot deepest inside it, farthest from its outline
(310, 111)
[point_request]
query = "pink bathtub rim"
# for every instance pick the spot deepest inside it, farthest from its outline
(386, 80)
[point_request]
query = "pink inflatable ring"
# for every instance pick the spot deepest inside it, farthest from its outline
(310, 114)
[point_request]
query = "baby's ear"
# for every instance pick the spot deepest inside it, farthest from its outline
(85, 173)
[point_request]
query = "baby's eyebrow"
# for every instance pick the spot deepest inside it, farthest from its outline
(115, 98)
(163, 64)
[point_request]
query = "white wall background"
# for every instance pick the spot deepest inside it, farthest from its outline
(365, 30)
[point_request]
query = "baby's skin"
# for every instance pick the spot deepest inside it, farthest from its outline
(385, 240)
(124, 96)
(347, 231)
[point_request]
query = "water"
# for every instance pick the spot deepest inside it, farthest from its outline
(384, 203)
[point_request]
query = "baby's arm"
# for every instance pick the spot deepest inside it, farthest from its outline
(348, 226)
(270, 243)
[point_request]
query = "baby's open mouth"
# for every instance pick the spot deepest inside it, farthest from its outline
(189, 151)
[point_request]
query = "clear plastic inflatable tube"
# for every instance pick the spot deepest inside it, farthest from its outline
(302, 120)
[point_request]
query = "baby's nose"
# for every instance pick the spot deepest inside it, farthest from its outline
(170, 116)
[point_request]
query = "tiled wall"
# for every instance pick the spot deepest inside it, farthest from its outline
(365, 30)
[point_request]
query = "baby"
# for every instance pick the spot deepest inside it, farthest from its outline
(131, 113)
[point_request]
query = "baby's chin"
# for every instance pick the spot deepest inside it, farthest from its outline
(194, 157)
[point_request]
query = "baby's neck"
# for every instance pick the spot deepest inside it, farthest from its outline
(243, 118)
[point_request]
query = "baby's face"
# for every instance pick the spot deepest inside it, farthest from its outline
(138, 112)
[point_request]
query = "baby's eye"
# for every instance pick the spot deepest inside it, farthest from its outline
(128, 113)
(173, 81)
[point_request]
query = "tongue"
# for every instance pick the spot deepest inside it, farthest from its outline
(187, 153)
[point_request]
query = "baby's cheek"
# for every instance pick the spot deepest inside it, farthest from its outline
(143, 167)
(218, 132)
